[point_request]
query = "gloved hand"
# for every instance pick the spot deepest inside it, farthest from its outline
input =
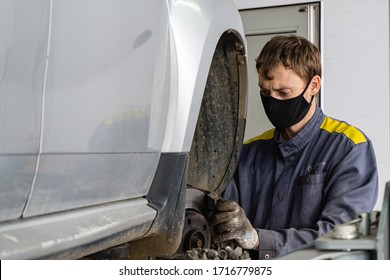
(230, 223)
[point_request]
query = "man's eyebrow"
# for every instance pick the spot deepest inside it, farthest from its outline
(276, 89)
(263, 89)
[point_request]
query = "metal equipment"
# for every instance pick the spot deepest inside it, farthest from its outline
(197, 235)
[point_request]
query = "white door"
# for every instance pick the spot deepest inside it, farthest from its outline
(261, 25)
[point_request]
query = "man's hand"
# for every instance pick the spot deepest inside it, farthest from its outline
(230, 223)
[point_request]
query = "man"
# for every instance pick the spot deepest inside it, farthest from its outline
(297, 181)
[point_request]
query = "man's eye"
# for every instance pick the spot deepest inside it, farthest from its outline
(264, 92)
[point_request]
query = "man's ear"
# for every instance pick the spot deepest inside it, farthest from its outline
(315, 85)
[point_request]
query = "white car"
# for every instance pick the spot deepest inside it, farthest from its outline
(116, 118)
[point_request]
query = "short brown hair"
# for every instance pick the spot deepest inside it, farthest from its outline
(294, 52)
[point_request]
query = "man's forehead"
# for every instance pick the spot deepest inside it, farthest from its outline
(280, 78)
(277, 84)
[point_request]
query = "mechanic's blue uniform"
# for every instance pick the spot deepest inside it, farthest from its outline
(294, 191)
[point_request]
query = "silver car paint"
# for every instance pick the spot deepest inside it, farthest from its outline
(75, 85)
(23, 41)
(197, 26)
(103, 76)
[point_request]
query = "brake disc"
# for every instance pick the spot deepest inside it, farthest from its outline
(196, 232)
(196, 238)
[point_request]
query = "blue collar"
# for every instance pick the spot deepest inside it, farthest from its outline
(299, 141)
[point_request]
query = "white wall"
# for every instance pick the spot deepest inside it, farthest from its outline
(355, 52)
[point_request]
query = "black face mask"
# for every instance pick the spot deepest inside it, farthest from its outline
(287, 112)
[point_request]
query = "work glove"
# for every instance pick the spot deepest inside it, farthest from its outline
(230, 223)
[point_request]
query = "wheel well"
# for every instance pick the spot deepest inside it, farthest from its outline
(221, 123)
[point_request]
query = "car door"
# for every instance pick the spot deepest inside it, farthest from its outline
(24, 39)
(105, 105)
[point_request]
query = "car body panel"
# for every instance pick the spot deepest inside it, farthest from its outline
(16, 176)
(41, 237)
(63, 183)
(109, 94)
(23, 37)
(197, 27)
(107, 85)
(104, 75)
